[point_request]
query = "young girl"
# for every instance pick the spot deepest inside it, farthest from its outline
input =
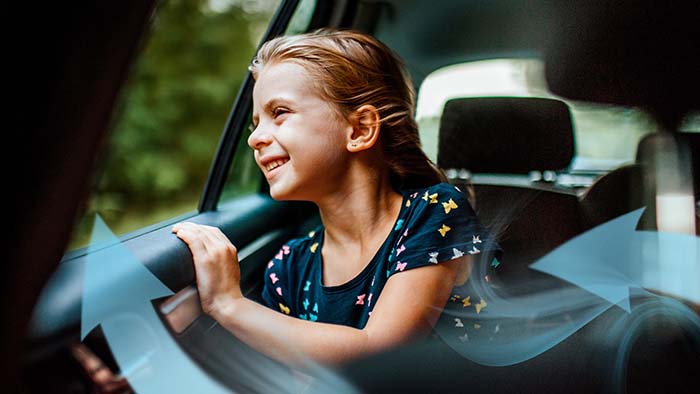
(333, 124)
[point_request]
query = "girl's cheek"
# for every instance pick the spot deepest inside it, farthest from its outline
(280, 119)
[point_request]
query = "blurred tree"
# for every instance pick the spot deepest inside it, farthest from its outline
(173, 110)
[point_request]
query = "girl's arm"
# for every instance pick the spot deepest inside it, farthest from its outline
(409, 306)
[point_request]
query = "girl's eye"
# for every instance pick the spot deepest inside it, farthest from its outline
(279, 111)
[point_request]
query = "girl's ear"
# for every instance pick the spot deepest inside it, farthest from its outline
(365, 122)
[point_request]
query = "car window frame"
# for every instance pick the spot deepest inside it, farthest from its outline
(239, 117)
(234, 127)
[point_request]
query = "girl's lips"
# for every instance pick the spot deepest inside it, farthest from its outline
(271, 165)
(273, 172)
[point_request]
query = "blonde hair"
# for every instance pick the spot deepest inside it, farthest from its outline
(352, 69)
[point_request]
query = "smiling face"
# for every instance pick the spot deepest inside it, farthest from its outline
(299, 139)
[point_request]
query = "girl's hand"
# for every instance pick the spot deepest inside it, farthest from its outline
(103, 379)
(216, 266)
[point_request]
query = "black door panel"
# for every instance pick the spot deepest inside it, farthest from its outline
(256, 221)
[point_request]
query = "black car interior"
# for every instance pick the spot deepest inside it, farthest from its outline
(509, 150)
(502, 143)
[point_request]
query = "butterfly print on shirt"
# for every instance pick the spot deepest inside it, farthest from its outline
(400, 249)
(449, 206)
(443, 230)
(284, 308)
(481, 305)
(433, 257)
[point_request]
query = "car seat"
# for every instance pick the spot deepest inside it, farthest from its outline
(635, 185)
(611, 195)
(500, 147)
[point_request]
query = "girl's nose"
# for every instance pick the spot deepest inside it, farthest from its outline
(259, 138)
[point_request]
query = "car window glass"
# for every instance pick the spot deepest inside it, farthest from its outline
(244, 176)
(606, 136)
(171, 112)
(302, 17)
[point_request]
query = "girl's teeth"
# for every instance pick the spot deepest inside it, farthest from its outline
(275, 164)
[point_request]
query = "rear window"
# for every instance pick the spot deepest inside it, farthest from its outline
(606, 136)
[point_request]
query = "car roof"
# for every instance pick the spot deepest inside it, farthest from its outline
(430, 37)
(649, 50)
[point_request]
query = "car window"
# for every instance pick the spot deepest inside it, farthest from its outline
(171, 113)
(244, 176)
(606, 136)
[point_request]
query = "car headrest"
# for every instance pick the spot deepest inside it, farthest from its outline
(687, 146)
(628, 52)
(507, 135)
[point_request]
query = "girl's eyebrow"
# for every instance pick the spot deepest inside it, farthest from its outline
(275, 101)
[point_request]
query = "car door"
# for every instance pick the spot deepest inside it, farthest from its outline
(234, 198)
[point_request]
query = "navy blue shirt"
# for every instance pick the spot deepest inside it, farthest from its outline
(434, 225)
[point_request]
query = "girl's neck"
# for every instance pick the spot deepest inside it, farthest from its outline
(360, 212)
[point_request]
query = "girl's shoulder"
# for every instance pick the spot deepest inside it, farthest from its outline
(308, 243)
(432, 200)
(306, 239)
(438, 223)
(434, 192)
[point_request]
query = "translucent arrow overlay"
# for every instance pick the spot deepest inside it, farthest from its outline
(115, 281)
(603, 265)
(613, 258)
(516, 329)
(117, 295)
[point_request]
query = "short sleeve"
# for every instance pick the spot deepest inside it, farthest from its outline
(440, 227)
(276, 288)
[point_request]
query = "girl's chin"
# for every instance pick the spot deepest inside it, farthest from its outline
(279, 192)
(277, 197)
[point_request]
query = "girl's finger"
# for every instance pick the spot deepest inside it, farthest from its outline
(193, 240)
(183, 225)
(206, 238)
(220, 234)
(176, 227)
(87, 360)
(213, 237)
(206, 235)
(212, 233)
(115, 384)
(105, 378)
(101, 376)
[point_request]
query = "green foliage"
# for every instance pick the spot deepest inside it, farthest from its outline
(172, 111)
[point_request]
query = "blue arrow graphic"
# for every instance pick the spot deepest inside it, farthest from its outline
(604, 265)
(117, 294)
(613, 258)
